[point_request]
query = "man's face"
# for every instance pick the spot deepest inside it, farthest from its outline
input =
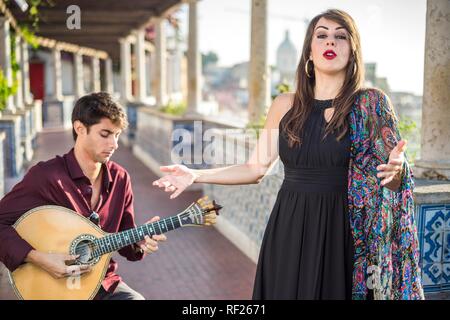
(101, 141)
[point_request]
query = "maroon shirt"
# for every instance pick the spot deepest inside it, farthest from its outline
(60, 181)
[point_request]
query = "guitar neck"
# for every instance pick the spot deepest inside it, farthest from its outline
(116, 241)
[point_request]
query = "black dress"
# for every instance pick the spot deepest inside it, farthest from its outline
(307, 249)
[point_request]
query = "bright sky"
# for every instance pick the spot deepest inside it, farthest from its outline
(392, 32)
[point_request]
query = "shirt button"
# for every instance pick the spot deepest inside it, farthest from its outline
(89, 190)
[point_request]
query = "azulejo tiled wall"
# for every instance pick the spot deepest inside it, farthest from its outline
(248, 207)
(25, 133)
(11, 126)
(434, 237)
(154, 136)
(58, 113)
(132, 115)
(2, 165)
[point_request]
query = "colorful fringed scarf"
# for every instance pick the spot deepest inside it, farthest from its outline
(382, 221)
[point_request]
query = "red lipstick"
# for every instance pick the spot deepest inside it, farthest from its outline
(329, 54)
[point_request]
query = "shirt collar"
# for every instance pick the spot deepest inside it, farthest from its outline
(107, 177)
(76, 173)
(73, 166)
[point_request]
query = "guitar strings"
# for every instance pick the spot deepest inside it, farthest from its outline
(84, 247)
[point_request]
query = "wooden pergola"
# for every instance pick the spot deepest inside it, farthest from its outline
(103, 22)
(108, 32)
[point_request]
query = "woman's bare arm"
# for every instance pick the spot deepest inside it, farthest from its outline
(263, 156)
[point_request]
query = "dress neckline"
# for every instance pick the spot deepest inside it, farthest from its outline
(323, 104)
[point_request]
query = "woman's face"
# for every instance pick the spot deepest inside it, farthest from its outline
(330, 47)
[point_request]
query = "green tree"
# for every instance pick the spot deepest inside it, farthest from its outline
(409, 131)
(209, 58)
(173, 108)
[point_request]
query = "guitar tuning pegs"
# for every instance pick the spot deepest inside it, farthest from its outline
(216, 207)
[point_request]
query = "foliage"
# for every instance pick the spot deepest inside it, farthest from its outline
(407, 126)
(5, 90)
(209, 58)
(258, 125)
(28, 34)
(33, 12)
(173, 108)
(281, 88)
(409, 131)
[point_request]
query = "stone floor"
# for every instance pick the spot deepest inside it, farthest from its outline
(194, 263)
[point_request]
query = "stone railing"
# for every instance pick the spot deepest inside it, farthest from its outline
(2, 164)
(58, 113)
(20, 129)
(246, 208)
(153, 136)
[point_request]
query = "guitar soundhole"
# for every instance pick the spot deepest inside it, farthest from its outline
(84, 246)
(85, 249)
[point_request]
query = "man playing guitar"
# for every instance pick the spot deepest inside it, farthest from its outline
(83, 180)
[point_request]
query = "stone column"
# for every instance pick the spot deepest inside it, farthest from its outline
(125, 70)
(95, 71)
(57, 76)
(194, 62)
(159, 80)
(5, 60)
(109, 76)
(434, 162)
(170, 74)
(149, 68)
(178, 57)
(141, 71)
(258, 84)
(18, 97)
(27, 98)
(79, 74)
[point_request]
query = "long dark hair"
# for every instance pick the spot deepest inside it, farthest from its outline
(304, 94)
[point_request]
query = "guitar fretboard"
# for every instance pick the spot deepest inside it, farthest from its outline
(116, 241)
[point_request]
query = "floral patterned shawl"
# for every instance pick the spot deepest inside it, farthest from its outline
(382, 221)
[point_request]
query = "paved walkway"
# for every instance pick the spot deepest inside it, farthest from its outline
(194, 263)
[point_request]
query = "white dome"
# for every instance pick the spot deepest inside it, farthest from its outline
(287, 55)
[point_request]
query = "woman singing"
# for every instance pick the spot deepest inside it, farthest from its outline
(342, 226)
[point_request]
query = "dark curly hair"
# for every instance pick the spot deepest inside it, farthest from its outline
(91, 108)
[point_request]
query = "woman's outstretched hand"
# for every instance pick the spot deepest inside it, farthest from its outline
(179, 177)
(395, 164)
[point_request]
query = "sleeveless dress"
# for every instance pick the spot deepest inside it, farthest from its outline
(307, 248)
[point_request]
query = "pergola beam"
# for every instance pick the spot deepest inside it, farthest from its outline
(103, 22)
